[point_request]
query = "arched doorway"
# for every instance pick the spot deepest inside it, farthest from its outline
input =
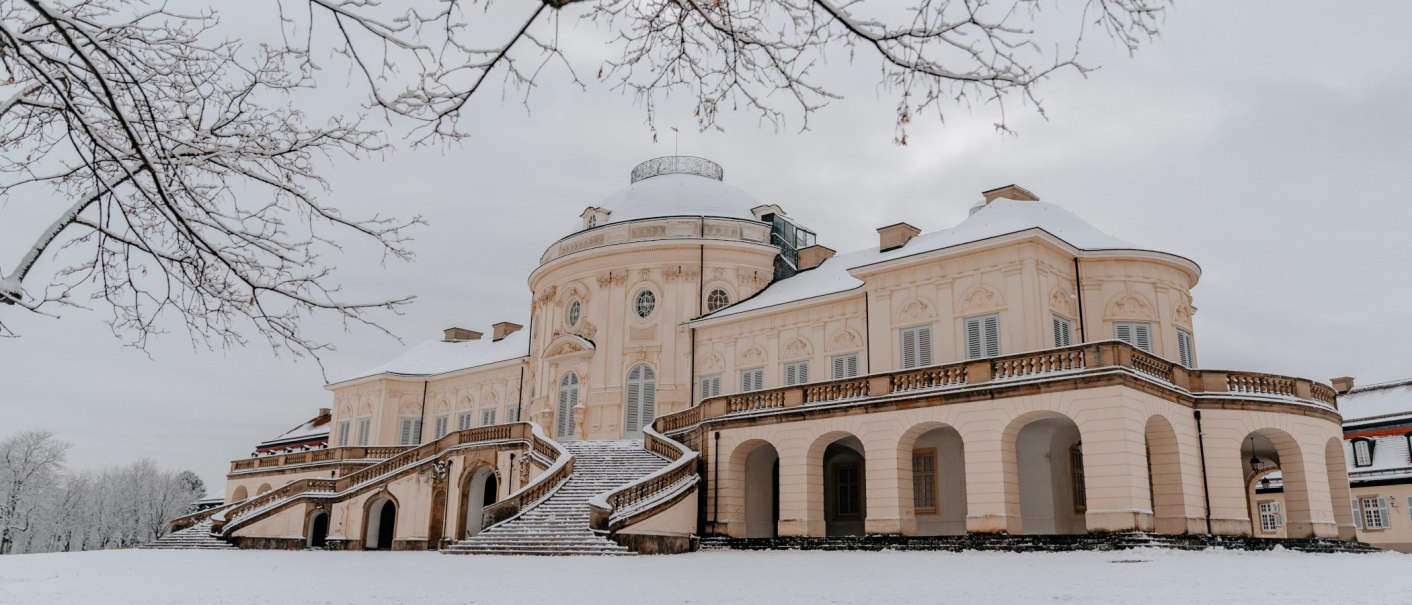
(933, 479)
(1164, 477)
(845, 487)
(1276, 490)
(568, 400)
(480, 490)
(640, 400)
(318, 530)
(762, 492)
(1050, 471)
(381, 524)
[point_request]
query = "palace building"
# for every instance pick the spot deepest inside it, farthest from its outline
(1377, 431)
(694, 364)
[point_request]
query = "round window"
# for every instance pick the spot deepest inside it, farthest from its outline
(717, 300)
(574, 310)
(646, 302)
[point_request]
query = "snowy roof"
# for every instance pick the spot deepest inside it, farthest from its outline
(317, 427)
(1384, 399)
(678, 194)
(1000, 217)
(439, 356)
(1390, 458)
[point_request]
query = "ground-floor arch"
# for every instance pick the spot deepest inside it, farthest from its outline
(762, 491)
(840, 459)
(318, 529)
(932, 484)
(479, 489)
(380, 523)
(1049, 474)
(1269, 455)
(1165, 486)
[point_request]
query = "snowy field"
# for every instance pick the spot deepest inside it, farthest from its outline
(1138, 576)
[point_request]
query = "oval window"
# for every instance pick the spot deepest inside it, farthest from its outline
(646, 302)
(574, 310)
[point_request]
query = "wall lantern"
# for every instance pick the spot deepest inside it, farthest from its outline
(1254, 460)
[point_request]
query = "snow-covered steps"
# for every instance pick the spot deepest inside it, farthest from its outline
(559, 524)
(1007, 543)
(196, 537)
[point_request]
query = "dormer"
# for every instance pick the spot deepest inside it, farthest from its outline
(594, 216)
(763, 211)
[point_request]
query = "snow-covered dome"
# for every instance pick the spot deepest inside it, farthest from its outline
(678, 186)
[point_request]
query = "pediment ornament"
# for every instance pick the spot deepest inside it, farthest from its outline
(798, 348)
(1129, 304)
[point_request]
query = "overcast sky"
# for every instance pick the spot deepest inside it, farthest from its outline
(1270, 142)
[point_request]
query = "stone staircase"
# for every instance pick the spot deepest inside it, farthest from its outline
(1020, 543)
(196, 537)
(559, 524)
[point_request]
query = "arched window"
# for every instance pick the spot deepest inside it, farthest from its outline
(575, 309)
(641, 405)
(646, 303)
(717, 300)
(568, 398)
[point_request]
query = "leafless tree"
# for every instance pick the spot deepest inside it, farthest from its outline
(30, 465)
(187, 180)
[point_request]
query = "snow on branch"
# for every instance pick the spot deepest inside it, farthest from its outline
(187, 185)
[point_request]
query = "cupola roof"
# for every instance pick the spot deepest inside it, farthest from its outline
(678, 186)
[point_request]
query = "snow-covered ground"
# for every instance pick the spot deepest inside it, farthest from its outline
(1139, 576)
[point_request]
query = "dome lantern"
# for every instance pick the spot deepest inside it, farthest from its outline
(678, 164)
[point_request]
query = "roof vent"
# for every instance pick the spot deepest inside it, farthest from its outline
(1010, 192)
(813, 256)
(678, 164)
(896, 236)
(1342, 384)
(500, 330)
(459, 335)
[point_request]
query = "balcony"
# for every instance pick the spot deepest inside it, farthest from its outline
(359, 456)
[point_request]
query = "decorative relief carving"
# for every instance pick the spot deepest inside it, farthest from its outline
(713, 362)
(644, 274)
(915, 309)
(646, 231)
(407, 407)
(1129, 305)
(580, 244)
(365, 409)
(980, 298)
(586, 329)
(845, 341)
(798, 348)
(605, 278)
(752, 356)
(715, 230)
(1061, 302)
(619, 277)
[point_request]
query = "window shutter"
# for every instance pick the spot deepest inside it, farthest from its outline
(1143, 333)
(992, 335)
(973, 339)
(924, 346)
(440, 427)
(405, 437)
(649, 398)
(909, 348)
(343, 433)
(791, 374)
(631, 420)
(1382, 512)
(365, 426)
(1358, 513)
(416, 431)
(1062, 336)
(839, 367)
(852, 365)
(1123, 332)
(1184, 347)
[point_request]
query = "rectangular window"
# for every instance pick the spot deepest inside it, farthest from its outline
(1062, 336)
(1138, 334)
(441, 422)
(1362, 453)
(512, 413)
(752, 380)
(796, 373)
(710, 386)
(1270, 517)
(1184, 347)
(344, 427)
(487, 417)
(844, 366)
(411, 431)
(846, 481)
(1076, 469)
(1357, 514)
(916, 347)
(983, 336)
(463, 421)
(1374, 512)
(365, 429)
(924, 481)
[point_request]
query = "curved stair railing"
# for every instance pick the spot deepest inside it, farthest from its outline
(230, 518)
(190, 519)
(537, 490)
(613, 510)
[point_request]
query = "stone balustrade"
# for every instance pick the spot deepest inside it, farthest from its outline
(330, 455)
(659, 229)
(646, 496)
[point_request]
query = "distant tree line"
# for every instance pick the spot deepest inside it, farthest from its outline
(46, 508)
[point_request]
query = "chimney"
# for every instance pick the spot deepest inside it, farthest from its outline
(1010, 192)
(459, 335)
(1342, 384)
(813, 256)
(325, 412)
(896, 236)
(500, 330)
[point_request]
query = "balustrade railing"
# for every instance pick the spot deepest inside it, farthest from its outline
(614, 509)
(335, 454)
(537, 489)
(1264, 384)
(1037, 363)
(928, 378)
(836, 390)
(759, 400)
(1152, 366)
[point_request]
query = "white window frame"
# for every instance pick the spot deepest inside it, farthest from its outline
(844, 366)
(463, 420)
(440, 426)
(1063, 331)
(1135, 333)
(981, 341)
(1271, 515)
(345, 428)
(487, 416)
(1362, 452)
(1357, 514)
(713, 305)
(644, 307)
(365, 430)
(1374, 512)
(1184, 349)
(710, 386)
(919, 353)
(512, 412)
(410, 430)
(752, 379)
(796, 373)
